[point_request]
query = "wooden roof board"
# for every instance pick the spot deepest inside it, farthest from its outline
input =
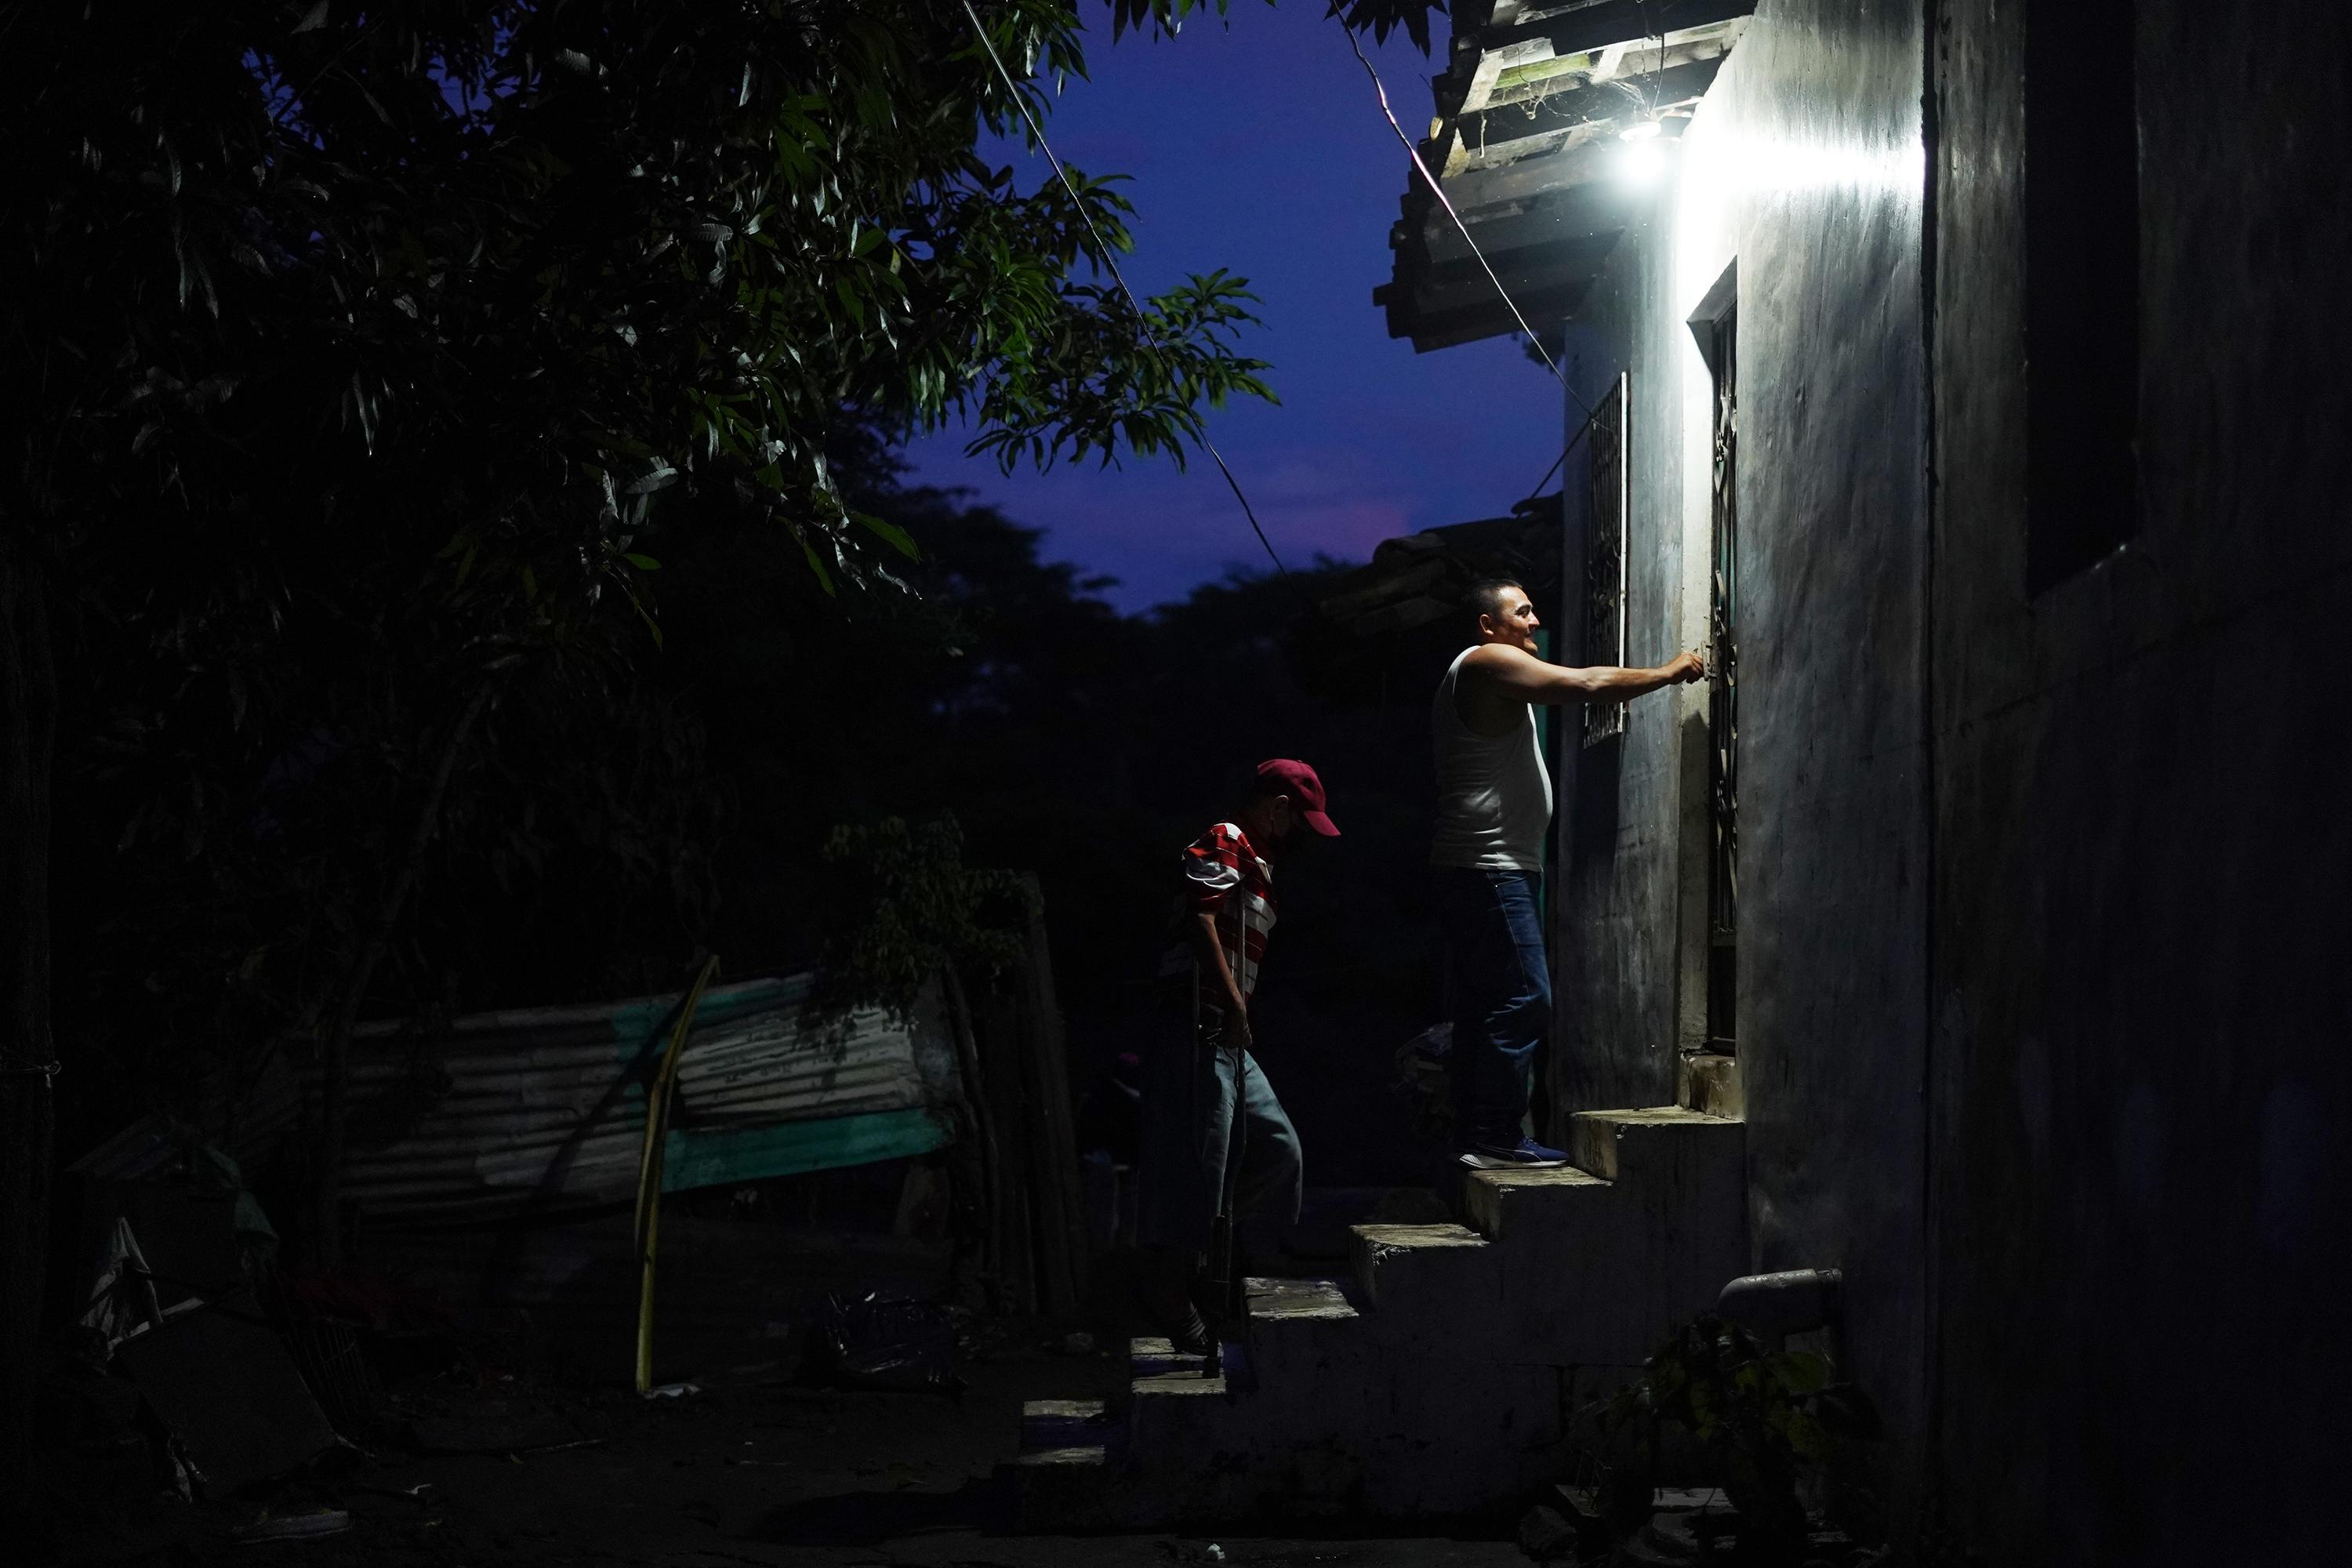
(1582, 25)
(1558, 217)
(1512, 130)
(1528, 168)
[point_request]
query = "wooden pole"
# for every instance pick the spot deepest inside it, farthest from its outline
(1060, 1202)
(996, 1242)
(28, 715)
(649, 1170)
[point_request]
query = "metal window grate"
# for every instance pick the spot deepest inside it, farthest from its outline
(1609, 504)
(1723, 697)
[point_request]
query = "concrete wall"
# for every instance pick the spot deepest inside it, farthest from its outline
(1616, 958)
(2043, 975)
(1834, 785)
(1804, 165)
(2139, 1058)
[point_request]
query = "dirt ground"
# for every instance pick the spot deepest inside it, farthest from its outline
(566, 1463)
(755, 1467)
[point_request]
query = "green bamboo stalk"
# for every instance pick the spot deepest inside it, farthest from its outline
(649, 1170)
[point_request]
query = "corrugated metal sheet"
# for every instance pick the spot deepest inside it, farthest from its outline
(505, 1113)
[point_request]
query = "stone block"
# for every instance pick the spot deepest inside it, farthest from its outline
(1710, 1083)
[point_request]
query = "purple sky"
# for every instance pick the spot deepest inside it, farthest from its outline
(1259, 147)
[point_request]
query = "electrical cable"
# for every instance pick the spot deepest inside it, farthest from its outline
(1412, 151)
(1566, 448)
(1109, 261)
(1439, 192)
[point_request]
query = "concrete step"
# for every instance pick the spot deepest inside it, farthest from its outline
(1561, 1239)
(1233, 1446)
(1177, 1408)
(1148, 1356)
(1055, 1426)
(1427, 1284)
(1596, 1261)
(1061, 1488)
(1395, 1433)
(1541, 1207)
(1438, 1380)
(1302, 1330)
(1632, 1145)
(1316, 1363)
(1063, 1477)
(1280, 1303)
(1680, 1228)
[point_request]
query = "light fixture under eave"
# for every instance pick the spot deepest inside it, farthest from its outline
(1643, 157)
(1642, 162)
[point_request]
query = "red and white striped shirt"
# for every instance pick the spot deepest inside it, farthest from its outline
(1225, 876)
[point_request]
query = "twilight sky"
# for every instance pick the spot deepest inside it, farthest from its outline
(1259, 147)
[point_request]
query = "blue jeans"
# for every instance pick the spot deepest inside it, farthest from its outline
(1187, 1124)
(1502, 997)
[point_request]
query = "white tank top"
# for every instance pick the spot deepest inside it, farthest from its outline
(1493, 792)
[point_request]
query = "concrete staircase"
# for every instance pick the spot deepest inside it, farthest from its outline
(1440, 1379)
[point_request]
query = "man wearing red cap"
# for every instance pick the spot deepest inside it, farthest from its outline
(1227, 911)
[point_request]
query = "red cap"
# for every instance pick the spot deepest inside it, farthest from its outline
(1281, 775)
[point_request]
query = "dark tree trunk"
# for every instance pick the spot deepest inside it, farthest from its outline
(28, 705)
(1051, 1130)
(989, 1163)
(335, 1049)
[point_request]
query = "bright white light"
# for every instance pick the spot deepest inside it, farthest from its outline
(1640, 131)
(1642, 161)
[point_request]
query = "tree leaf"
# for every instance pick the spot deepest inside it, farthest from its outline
(897, 538)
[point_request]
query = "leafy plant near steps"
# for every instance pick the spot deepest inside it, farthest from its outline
(1768, 1422)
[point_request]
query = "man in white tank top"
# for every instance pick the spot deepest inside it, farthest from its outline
(1494, 808)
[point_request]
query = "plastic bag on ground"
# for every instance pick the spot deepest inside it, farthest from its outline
(876, 1341)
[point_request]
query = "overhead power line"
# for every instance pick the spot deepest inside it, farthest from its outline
(1413, 151)
(1438, 191)
(1110, 260)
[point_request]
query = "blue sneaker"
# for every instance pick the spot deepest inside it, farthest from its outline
(1526, 1154)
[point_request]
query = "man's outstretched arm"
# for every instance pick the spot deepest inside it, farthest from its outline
(1527, 679)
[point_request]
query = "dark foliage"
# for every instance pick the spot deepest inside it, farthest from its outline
(357, 349)
(370, 366)
(1767, 1421)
